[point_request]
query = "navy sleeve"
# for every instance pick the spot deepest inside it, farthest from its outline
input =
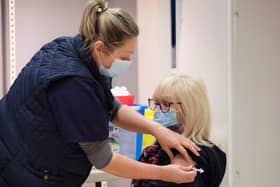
(78, 110)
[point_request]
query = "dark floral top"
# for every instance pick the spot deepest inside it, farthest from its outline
(212, 160)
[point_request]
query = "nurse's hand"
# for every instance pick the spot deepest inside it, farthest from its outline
(178, 174)
(169, 139)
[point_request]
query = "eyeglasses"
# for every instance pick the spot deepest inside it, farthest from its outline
(163, 106)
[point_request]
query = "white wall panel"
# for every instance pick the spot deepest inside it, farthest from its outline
(255, 94)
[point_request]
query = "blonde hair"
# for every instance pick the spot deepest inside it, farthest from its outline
(112, 26)
(195, 109)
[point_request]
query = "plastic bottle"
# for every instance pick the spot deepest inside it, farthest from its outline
(147, 138)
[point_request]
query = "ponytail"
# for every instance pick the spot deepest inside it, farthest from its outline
(112, 26)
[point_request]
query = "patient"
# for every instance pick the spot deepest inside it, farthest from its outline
(180, 103)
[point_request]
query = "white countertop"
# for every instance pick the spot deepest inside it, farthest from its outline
(98, 176)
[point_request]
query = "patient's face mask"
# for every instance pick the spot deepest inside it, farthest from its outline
(166, 119)
(118, 66)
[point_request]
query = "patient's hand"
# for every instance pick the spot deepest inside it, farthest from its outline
(179, 160)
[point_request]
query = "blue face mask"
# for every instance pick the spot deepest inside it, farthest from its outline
(166, 119)
(118, 66)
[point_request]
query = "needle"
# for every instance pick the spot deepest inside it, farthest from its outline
(199, 170)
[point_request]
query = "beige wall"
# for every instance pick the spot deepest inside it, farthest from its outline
(40, 21)
(154, 45)
(3, 35)
(1, 53)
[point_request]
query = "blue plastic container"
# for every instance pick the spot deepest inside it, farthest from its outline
(130, 142)
(139, 136)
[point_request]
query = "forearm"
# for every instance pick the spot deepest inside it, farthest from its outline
(131, 120)
(125, 167)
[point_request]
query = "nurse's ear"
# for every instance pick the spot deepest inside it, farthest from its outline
(97, 49)
(97, 46)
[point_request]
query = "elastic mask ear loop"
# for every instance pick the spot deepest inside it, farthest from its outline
(111, 54)
(108, 51)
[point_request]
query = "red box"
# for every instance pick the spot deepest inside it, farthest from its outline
(126, 99)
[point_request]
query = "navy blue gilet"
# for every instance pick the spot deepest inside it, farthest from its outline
(32, 151)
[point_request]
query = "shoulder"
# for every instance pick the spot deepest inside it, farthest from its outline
(213, 152)
(58, 42)
(213, 161)
(58, 55)
(210, 157)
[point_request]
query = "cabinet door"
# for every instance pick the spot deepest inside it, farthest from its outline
(255, 93)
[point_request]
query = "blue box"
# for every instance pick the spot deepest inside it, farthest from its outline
(139, 136)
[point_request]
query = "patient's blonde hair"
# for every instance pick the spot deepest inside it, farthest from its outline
(195, 110)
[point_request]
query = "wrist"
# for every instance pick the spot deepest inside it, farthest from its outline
(158, 173)
(162, 173)
(156, 129)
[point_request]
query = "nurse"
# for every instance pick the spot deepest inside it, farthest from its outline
(54, 119)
